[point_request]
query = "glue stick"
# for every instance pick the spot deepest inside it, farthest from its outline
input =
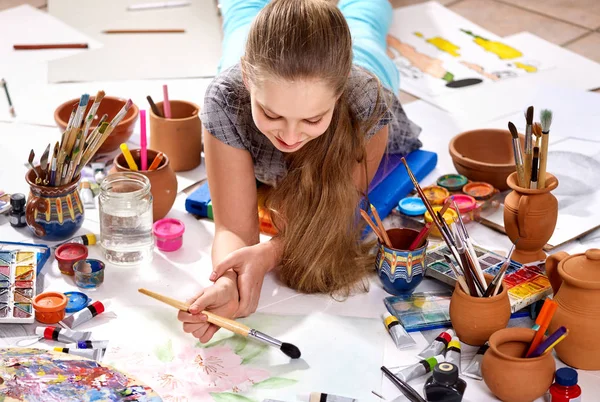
(84, 315)
(421, 368)
(62, 334)
(453, 352)
(473, 370)
(95, 354)
(438, 345)
(88, 345)
(401, 338)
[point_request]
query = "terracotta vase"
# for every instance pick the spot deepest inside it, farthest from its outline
(180, 137)
(530, 216)
(475, 319)
(511, 377)
(163, 182)
(53, 213)
(576, 283)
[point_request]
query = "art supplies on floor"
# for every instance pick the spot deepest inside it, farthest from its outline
(421, 311)
(526, 283)
(17, 286)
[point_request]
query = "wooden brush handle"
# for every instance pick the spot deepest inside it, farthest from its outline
(167, 300)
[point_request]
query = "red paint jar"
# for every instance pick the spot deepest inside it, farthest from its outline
(68, 254)
(50, 307)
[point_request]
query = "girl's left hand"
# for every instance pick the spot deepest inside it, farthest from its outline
(251, 264)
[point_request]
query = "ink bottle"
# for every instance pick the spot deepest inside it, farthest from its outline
(565, 388)
(445, 385)
(17, 212)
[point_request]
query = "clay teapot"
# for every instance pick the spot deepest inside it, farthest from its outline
(576, 284)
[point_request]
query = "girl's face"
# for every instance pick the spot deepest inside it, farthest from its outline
(292, 113)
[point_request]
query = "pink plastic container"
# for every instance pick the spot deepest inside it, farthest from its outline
(169, 234)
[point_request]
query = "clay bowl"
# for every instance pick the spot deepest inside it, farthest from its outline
(484, 155)
(511, 377)
(475, 319)
(110, 106)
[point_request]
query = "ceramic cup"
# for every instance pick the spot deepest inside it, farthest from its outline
(400, 270)
(163, 182)
(511, 377)
(89, 273)
(530, 216)
(475, 319)
(180, 137)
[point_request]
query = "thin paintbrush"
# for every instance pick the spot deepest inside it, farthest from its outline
(231, 325)
(537, 131)
(30, 161)
(459, 277)
(546, 122)
(53, 164)
(374, 228)
(534, 169)
(406, 389)
(497, 281)
(518, 155)
(11, 108)
(528, 143)
(153, 106)
(381, 227)
(92, 113)
(466, 264)
(422, 236)
(93, 135)
(469, 245)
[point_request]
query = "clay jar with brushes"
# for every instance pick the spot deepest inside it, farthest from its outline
(510, 376)
(576, 284)
(475, 319)
(530, 216)
(163, 182)
(180, 136)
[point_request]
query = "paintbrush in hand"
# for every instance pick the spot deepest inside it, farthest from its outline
(231, 325)
(546, 122)
(518, 155)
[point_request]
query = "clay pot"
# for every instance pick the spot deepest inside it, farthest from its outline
(163, 182)
(511, 377)
(53, 213)
(180, 137)
(110, 106)
(530, 216)
(475, 319)
(576, 283)
(484, 155)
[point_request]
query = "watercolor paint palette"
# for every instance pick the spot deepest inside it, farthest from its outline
(421, 311)
(526, 284)
(18, 271)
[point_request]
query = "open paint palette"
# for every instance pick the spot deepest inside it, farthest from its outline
(17, 286)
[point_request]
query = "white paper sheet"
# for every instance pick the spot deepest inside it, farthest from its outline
(192, 54)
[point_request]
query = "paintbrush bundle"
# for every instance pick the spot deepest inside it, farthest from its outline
(531, 161)
(78, 145)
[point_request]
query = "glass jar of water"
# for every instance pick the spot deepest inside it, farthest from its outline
(126, 218)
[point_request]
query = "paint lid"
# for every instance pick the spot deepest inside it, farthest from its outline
(168, 228)
(49, 302)
(445, 373)
(436, 194)
(449, 216)
(453, 182)
(412, 206)
(465, 203)
(479, 190)
(71, 252)
(76, 301)
(566, 377)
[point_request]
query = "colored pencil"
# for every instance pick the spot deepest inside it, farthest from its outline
(166, 103)
(128, 157)
(153, 106)
(143, 141)
(142, 31)
(381, 227)
(156, 162)
(550, 342)
(51, 46)
(539, 335)
(11, 108)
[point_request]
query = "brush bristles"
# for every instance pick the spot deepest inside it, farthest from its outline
(513, 130)
(529, 115)
(546, 120)
(290, 350)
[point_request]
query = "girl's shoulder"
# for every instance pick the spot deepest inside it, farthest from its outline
(228, 89)
(366, 95)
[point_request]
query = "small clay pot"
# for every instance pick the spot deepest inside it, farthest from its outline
(475, 319)
(530, 216)
(180, 136)
(110, 105)
(484, 155)
(163, 182)
(511, 377)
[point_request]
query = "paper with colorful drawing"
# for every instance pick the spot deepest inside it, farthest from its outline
(439, 52)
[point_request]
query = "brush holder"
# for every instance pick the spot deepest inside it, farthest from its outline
(530, 216)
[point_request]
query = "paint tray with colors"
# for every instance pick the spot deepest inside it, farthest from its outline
(17, 286)
(421, 311)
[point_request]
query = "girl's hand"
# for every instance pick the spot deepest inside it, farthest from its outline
(251, 264)
(220, 298)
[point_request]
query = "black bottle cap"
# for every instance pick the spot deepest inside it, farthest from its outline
(445, 373)
(17, 201)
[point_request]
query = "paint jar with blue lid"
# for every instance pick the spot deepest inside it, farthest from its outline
(412, 206)
(76, 301)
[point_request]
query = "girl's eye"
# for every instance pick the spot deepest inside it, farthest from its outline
(312, 123)
(271, 117)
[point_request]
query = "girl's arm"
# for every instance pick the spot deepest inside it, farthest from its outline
(375, 150)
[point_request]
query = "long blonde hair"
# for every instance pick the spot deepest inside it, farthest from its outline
(315, 206)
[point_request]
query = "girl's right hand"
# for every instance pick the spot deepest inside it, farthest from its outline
(222, 299)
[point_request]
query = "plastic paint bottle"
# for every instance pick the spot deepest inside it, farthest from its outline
(445, 385)
(565, 388)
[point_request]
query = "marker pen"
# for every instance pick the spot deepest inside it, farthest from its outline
(62, 334)
(84, 315)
